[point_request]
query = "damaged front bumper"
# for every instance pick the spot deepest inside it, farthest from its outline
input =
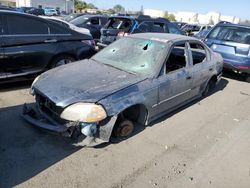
(84, 134)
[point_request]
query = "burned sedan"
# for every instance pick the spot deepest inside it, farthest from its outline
(133, 81)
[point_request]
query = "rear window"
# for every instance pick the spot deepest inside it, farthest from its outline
(231, 34)
(119, 23)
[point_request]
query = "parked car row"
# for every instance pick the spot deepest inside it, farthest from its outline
(134, 80)
(47, 11)
(119, 26)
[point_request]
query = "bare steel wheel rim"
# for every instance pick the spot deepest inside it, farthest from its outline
(126, 129)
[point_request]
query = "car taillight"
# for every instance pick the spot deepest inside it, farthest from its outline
(243, 67)
(121, 34)
(89, 42)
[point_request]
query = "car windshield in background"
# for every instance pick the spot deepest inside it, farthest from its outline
(232, 34)
(133, 55)
(80, 20)
(119, 23)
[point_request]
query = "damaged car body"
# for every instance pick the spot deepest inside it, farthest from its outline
(135, 80)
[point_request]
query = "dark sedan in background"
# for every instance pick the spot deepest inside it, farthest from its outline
(119, 26)
(30, 45)
(135, 80)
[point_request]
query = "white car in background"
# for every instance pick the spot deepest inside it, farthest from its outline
(50, 12)
(67, 24)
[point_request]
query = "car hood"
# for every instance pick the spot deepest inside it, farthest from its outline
(86, 81)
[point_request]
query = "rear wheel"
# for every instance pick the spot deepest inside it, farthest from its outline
(62, 60)
(209, 88)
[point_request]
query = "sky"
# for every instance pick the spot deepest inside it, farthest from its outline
(239, 8)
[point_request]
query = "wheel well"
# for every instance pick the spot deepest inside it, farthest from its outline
(60, 55)
(214, 78)
(136, 113)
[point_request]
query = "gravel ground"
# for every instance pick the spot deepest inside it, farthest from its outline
(204, 144)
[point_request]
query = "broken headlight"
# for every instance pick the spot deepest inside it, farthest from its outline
(84, 112)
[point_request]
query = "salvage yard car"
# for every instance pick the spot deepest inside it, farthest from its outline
(135, 80)
(30, 45)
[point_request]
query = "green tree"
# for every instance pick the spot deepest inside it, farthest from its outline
(119, 9)
(80, 5)
(111, 11)
(91, 6)
(171, 18)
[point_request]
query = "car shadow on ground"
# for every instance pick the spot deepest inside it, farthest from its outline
(26, 151)
(5, 87)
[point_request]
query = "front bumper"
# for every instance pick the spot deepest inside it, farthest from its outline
(39, 119)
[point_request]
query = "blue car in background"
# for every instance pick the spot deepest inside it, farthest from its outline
(232, 41)
(119, 26)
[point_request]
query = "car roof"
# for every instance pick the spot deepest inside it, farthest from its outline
(123, 17)
(163, 37)
(233, 25)
(93, 15)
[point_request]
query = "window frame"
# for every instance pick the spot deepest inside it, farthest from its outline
(208, 55)
(186, 54)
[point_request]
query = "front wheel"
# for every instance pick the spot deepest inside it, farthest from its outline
(124, 129)
(62, 60)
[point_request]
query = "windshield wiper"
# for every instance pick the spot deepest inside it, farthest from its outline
(119, 69)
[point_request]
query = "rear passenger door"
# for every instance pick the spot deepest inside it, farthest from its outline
(201, 68)
(175, 83)
(28, 45)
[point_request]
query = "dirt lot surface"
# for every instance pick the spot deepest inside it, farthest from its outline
(204, 144)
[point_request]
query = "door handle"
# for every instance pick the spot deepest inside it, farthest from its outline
(188, 77)
(50, 41)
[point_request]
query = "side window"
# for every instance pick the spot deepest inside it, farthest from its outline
(158, 27)
(172, 29)
(198, 53)
(176, 59)
(21, 25)
(54, 29)
(94, 21)
(144, 27)
(103, 21)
